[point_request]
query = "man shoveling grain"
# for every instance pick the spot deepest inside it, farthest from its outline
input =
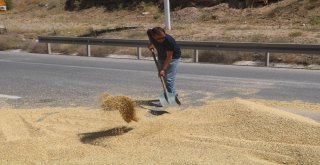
(169, 54)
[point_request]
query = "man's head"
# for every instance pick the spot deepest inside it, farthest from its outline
(158, 34)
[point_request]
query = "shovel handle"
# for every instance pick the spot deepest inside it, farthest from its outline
(161, 77)
(164, 87)
(155, 59)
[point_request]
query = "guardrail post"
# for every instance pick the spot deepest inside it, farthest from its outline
(138, 53)
(89, 50)
(49, 48)
(267, 59)
(196, 56)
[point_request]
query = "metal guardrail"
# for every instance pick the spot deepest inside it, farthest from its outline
(226, 46)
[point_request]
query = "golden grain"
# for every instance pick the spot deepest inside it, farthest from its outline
(232, 131)
(123, 104)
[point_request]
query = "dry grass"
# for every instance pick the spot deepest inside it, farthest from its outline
(78, 50)
(245, 27)
(9, 41)
(123, 104)
(13, 41)
(304, 59)
(35, 47)
(229, 57)
(102, 51)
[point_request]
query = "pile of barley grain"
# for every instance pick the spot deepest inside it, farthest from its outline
(123, 104)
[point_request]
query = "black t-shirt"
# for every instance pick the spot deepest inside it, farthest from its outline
(169, 44)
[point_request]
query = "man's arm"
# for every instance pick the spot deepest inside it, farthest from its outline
(166, 63)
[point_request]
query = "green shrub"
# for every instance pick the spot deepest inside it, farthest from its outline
(313, 1)
(9, 4)
(315, 20)
(295, 34)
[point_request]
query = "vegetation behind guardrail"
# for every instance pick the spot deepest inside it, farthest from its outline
(9, 4)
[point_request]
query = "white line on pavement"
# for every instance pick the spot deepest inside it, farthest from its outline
(9, 97)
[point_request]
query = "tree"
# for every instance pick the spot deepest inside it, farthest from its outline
(70, 6)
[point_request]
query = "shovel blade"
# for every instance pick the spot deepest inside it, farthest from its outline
(169, 101)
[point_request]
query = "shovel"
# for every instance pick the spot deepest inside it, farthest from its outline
(166, 98)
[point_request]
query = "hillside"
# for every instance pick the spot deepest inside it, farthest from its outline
(291, 21)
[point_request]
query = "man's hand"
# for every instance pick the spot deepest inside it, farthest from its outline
(151, 47)
(162, 73)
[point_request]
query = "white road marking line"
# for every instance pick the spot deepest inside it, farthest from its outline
(72, 66)
(10, 97)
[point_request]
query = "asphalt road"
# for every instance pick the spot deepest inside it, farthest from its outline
(38, 80)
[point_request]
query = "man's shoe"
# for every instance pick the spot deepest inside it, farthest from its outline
(177, 100)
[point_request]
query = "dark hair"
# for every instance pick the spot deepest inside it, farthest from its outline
(157, 30)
